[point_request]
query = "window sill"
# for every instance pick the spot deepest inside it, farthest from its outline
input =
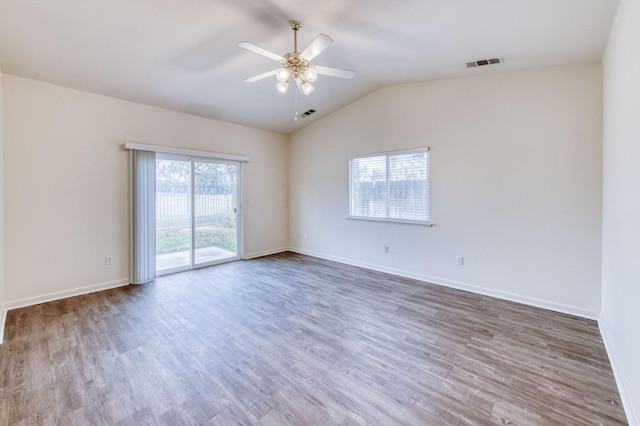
(400, 221)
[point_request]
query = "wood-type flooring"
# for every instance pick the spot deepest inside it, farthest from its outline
(290, 339)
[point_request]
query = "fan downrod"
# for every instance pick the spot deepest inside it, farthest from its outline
(295, 26)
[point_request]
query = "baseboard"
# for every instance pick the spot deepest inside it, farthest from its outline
(30, 301)
(632, 417)
(265, 253)
(3, 322)
(545, 304)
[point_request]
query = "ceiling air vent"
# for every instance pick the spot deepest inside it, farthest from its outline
(483, 62)
(307, 113)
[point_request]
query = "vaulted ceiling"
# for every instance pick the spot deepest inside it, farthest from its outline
(183, 55)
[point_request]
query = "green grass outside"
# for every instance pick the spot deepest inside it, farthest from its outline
(171, 240)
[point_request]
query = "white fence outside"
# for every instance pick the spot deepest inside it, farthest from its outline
(174, 209)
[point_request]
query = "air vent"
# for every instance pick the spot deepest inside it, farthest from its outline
(307, 113)
(483, 62)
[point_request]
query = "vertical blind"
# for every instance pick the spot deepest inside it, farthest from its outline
(143, 212)
(390, 186)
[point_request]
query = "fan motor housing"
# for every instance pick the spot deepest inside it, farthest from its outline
(294, 63)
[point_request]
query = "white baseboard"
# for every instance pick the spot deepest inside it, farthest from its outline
(545, 304)
(265, 253)
(30, 301)
(632, 417)
(3, 322)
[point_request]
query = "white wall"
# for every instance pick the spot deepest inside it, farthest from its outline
(516, 184)
(620, 322)
(2, 309)
(67, 192)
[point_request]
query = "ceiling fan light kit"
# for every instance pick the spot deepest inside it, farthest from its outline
(295, 65)
(307, 88)
(283, 74)
(282, 86)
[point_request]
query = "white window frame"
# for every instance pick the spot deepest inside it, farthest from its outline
(388, 154)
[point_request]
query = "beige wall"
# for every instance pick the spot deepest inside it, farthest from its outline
(67, 192)
(516, 184)
(620, 321)
(2, 310)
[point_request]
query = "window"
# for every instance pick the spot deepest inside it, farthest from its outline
(392, 186)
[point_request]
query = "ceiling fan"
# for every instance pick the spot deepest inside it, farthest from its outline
(296, 65)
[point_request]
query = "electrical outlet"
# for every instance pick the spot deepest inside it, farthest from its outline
(108, 260)
(459, 260)
(386, 249)
(304, 235)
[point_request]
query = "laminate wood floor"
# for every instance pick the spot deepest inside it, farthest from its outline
(290, 339)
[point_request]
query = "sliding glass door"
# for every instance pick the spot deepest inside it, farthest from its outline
(196, 212)
(215, 211)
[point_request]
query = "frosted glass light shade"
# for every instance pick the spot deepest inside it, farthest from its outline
(282, 86)
(310, 75)
(307, 88)
(283, 74)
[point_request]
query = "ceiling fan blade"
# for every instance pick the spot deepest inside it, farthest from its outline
(316, 47)
(261, 76)
(334, 72)
(260, 51)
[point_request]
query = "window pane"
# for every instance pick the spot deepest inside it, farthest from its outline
(369, 187)
(173, 214)
(215, 211)
(408, 195)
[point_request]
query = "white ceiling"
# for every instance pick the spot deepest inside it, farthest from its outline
(183, 55)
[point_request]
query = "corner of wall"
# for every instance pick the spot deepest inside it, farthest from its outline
(620, 250)
(625, 396)
(288, 188)
(3, 310)
(3, 322)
